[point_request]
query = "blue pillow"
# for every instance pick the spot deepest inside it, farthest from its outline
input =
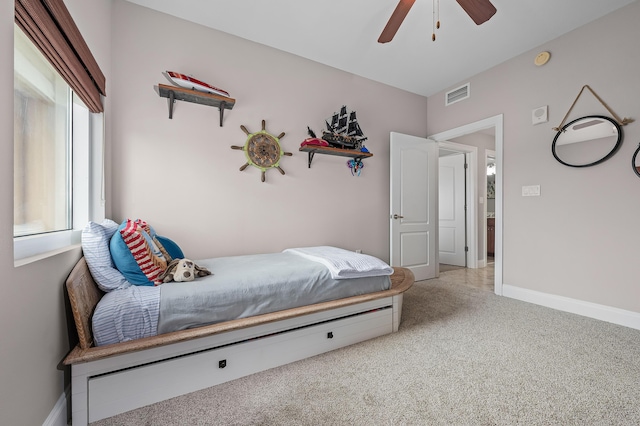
(126, 263)
(95, 248)
(171, 247)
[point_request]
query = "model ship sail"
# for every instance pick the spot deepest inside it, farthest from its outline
(343, 130)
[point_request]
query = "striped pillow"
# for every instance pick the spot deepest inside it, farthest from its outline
(147, 251)
(95, 247)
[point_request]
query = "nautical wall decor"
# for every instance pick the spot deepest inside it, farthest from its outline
(356, 166)
(343, 130)
(342, 137)
(262, 150)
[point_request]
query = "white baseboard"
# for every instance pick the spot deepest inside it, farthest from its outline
(58, 415)
(592, 310)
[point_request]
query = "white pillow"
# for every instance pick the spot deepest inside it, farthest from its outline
(95, 246)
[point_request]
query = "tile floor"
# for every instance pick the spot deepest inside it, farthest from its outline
(482, 278)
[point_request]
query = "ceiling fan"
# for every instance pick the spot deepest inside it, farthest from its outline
(479, 10)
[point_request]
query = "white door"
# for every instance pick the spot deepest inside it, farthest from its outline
(451, 210)
(414, 199)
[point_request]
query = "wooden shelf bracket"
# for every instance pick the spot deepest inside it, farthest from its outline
(174, 94)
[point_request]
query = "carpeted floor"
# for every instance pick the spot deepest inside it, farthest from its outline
(462, 356)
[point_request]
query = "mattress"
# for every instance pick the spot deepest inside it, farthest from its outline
(240, 287)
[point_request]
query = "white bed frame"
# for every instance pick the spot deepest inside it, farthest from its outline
(112, 379)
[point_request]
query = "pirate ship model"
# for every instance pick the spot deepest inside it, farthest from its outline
(343, 130)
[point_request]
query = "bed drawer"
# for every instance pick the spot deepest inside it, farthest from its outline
(121, 391)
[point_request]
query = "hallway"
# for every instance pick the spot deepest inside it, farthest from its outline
(482, 278)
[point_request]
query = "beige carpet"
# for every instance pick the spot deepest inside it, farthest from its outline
(463, 356)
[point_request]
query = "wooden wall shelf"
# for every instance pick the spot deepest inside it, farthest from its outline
(327, 150)
(174, 93)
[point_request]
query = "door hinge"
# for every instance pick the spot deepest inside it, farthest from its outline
(466, 248)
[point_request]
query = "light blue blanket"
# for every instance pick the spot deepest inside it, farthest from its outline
(244, 286)
(241, 286)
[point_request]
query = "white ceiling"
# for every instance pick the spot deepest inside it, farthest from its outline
(344, 33)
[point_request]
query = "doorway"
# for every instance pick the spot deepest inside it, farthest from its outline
(495, 125)
(452, 207)
(453, 229)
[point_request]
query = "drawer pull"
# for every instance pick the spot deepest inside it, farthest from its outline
(330, 335)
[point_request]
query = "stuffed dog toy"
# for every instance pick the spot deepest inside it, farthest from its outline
(182, 270)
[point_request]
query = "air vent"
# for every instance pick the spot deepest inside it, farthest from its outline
(457, 95)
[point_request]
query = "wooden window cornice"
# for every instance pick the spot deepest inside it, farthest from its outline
(50, 26)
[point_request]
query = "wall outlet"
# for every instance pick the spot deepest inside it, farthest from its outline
(359, 251)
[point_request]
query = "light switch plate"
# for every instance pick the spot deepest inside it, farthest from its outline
(531, 191)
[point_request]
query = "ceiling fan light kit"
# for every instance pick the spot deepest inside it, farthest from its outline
(480, 11)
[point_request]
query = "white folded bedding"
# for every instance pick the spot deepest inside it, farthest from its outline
(344, 263)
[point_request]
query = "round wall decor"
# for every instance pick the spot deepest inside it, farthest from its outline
(262, 150)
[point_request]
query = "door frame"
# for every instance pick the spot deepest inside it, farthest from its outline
(471, 156)
(487, 153)
(495, 122)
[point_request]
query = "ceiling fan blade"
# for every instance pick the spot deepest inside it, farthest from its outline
(479, 10)
(395, 20)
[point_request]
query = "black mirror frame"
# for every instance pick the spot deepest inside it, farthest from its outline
(633, 161)
(606, 157)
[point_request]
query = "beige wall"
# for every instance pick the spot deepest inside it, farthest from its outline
(182, 176)
(579, 239)
(33, 338)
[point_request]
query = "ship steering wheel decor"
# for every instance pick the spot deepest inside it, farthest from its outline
(262, 150)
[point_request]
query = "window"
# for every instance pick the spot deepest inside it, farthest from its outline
(52, 135)
(58, 141)
(42, 143)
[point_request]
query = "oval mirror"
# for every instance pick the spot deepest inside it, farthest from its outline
(587, 141)
(635, 161)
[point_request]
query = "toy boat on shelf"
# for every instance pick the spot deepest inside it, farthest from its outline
(189, 82)
(343, 130)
